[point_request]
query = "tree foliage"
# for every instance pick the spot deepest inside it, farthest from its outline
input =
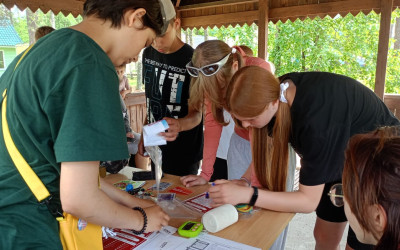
(341, 45)
(27, 22)
(344, 45)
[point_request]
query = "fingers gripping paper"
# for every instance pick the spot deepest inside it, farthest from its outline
(151, 132)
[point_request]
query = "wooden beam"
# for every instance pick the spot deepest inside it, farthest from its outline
(383, 47)
(323, 8)
(263, 28)
(215, 4)
(212, 20)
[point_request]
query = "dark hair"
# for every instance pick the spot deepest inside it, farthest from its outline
(42, 31)
(371, 176)
(114, 10)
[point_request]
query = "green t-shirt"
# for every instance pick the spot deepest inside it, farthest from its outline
(63, 106)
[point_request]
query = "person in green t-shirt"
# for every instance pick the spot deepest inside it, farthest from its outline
(64, 115)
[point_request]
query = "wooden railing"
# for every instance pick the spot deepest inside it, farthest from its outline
(392, 101)
(136, 105)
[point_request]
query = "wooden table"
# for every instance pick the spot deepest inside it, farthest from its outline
(260, 230)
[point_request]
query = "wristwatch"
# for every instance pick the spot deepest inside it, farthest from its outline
(254, 196)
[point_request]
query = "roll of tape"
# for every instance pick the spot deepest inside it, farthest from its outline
(220, 218)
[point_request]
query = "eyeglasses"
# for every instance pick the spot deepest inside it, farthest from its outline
(336, 195)
(210, 69)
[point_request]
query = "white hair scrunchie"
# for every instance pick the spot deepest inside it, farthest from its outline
(284, 87)
(233, 50)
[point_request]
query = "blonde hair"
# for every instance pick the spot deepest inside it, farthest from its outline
(250, 91)
(213, 87)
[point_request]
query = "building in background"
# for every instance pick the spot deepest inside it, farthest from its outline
(10, 44)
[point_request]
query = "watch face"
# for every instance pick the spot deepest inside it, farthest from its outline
(188, 226)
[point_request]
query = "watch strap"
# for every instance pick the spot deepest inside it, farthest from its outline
(254, 196)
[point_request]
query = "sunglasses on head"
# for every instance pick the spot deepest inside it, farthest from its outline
(210, 69)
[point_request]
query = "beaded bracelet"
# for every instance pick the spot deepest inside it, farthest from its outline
(144, 220)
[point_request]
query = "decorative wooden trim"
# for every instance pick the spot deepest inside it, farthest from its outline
(215, 4)
(215, 20)
(383, 47)
(323, 9)
(282, 13)
(74, 7)
(311, 10)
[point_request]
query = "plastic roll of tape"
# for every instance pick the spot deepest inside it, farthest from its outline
(220, 218)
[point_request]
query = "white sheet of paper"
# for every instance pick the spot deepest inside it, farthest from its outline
(204, 242)
(151, 131)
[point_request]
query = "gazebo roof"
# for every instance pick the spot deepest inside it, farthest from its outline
(66, 7)
(210, 13)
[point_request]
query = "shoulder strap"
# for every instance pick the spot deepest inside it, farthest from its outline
(32, 180)
(23, 55)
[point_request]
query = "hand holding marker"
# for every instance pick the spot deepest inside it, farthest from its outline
(207, 194)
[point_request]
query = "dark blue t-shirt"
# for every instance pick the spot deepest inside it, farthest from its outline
(167, 92)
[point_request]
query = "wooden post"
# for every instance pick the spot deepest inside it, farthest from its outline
(263, 10)
(383, 47)
(178, 15)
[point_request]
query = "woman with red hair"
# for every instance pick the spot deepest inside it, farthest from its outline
(317, 113)
(371, 179)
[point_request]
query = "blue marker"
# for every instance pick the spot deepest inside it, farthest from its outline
(207, 194)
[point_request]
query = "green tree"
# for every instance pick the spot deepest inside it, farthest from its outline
(340, 45)
(27, 22)
(344, 45)
(6, 14)
(246, 35)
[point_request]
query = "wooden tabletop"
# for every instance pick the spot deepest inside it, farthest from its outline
(259, 230)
